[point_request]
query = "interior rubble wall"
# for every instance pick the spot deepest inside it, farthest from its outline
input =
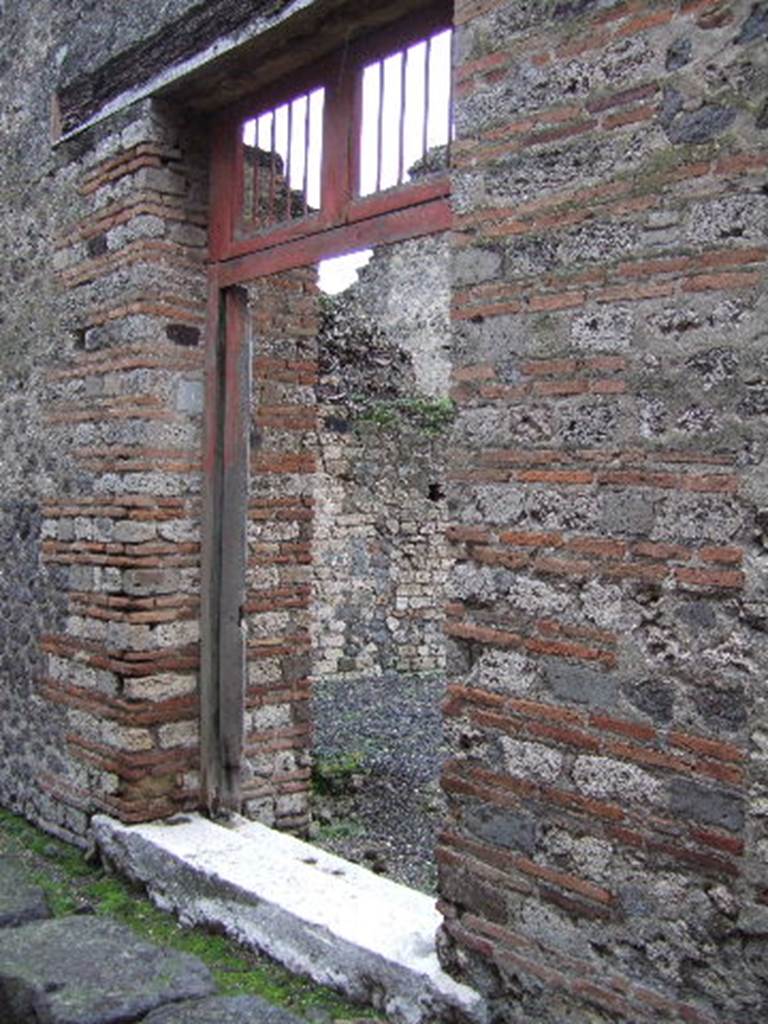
(380, 558)
(605, 857)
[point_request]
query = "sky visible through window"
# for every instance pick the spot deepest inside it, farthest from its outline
(405, 115)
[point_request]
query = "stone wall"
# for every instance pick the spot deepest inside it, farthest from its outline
(379, 553)
(605, 854)
(605, 858)
(125, 399)
(100, 403)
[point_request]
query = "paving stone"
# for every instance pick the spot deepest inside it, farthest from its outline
(85, 970)
(20, 901)
(222, 1010)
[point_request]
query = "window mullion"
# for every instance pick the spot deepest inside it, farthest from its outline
(341, 128)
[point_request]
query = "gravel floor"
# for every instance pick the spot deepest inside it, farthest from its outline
(378, 751)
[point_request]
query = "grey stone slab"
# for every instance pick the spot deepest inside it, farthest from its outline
(20, 900)
(222, 1010)
(88, 970)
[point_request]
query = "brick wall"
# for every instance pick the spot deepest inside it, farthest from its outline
(121, 528)
(283, 457)
(605, 854)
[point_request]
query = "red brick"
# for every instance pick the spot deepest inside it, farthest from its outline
(565, 880)
(468, 534)
(715, 19)
(731, 579)
(634, 570)
(603, 997)
(494, 556)
(482, 634)
(645, 755)
(635, 730)
(629, 117)
(726, 555)
(583, 804)
(568, 649)
(533, 540)
(616, 99)
(646, 21)
(561, 734)
(649, 549)
(564, 566)
(635, 292)
(554, 476)
(710, 748)
(719, 483)
(637, 478)
(718, 841)
(727, 773)
(566, 300)
(480, 371)
(596, 546)
(551, 712)
(741, 162)
(702, 861)
(717, 282)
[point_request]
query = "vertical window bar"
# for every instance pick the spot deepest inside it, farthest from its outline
(272, 165)
(288, 151)
(256, 178)
(243, 177)
(451, 45)
(380, 133)
(305, 182)
(401, 126)
(427, 70)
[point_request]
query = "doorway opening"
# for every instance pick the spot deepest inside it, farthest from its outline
(328, 412)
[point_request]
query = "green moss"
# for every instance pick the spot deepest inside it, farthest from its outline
(432, 416)
(71, 884)
(333, 775)
(348, 828)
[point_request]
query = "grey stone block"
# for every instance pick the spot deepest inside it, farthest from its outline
(84, 970)
(514, 830)
(20, 901)
(222, 1010)
(707, 806)
(583, 685)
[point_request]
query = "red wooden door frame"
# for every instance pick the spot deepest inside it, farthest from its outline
(344, 224)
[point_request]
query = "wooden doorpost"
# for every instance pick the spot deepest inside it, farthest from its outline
(222, 639)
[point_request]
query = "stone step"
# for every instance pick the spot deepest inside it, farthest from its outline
(319, 915)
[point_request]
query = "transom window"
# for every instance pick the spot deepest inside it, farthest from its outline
(364, 134)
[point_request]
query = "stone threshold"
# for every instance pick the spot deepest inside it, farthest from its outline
(319, 915)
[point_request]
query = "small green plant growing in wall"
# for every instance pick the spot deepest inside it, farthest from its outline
(430, 415)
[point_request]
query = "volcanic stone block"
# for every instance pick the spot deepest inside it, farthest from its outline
(20, 901)
(222, 1010)
(84, 970)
